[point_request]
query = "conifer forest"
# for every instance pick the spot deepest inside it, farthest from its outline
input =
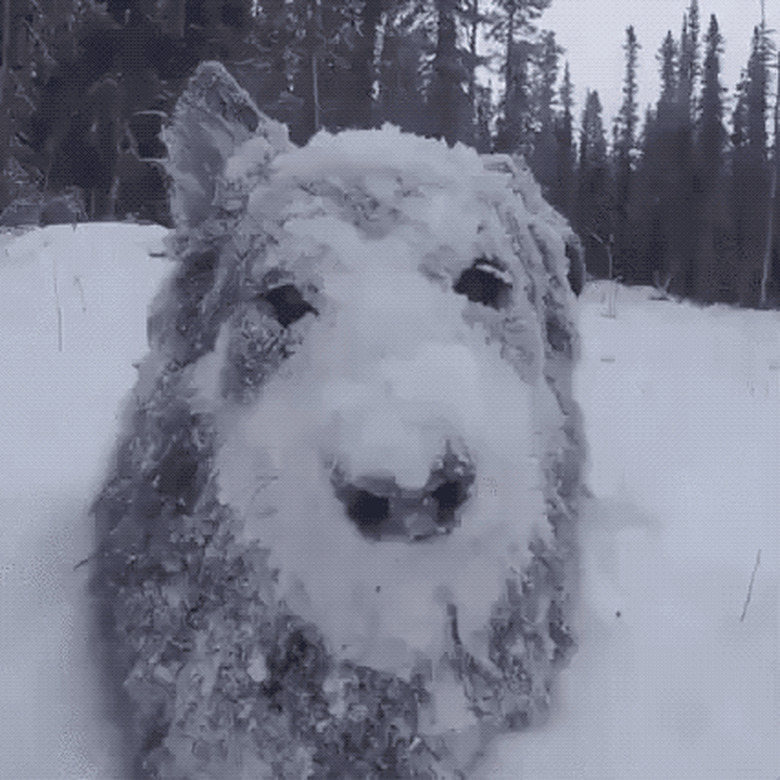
(681, 195)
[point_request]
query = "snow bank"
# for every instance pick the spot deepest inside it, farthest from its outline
(682, 418)
(676, 687)
(72, 321)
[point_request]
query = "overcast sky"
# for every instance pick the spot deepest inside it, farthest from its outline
(593, 33)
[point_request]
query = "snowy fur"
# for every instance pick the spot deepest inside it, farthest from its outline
(318, 339)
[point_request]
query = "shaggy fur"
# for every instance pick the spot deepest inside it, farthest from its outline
(217, 670)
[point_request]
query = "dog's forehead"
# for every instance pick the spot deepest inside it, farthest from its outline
(357, 191)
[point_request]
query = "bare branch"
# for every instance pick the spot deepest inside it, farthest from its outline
(750, 587)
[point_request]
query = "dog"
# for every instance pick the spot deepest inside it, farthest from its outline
(339, 536)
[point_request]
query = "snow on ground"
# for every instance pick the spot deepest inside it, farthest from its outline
(682, 410)
(682, 415)
(58, 416)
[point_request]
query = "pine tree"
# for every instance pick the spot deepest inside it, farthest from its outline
(447, 102)
(512, 25)
(544, 158)
(756, 95)
(689, 59)
(405, 48)
(361, 109)
(669, 176)
(689, 189)
(624, 152)
(712, 133)
(709, 279)
(628, 117)
(668, 56)
(594, 190)
(37, 39)
(562, 195)
(483, 141)
(274, 32)
(656, 180)
(318, 60)
(750, 179)
(475, 19)
(770, 272)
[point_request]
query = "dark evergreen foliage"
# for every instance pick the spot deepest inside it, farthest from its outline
(750, 173)
(624, 160)
(708, 277)
(563, 192)
(544, 157)
(594, 191)
(447, 105)
(512, 25)
(86, 86)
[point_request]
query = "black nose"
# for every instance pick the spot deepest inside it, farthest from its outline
(383, 510)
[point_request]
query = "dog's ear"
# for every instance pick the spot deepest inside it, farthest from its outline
(212, 119)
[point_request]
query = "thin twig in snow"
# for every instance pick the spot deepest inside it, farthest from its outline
(80, 286)
(59, 307)
(750, 586)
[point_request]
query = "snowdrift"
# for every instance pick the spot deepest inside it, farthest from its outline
(683, 460)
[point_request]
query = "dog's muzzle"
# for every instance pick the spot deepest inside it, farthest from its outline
(382, 510)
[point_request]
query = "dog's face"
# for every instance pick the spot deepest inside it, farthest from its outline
(381, 372)
(389, 463)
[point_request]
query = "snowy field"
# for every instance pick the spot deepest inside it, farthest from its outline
(682, 416)
(676, 678)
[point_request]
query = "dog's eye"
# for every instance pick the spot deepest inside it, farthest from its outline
(288, 304)
(449, 485)
(485, 282)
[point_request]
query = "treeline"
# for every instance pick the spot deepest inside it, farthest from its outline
(85, 85)
(687, 202)
(683, 198)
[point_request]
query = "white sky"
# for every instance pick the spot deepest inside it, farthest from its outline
(593, 34)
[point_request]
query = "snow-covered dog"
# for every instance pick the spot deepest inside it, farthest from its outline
(339, 536)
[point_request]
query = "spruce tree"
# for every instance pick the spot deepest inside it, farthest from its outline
(405, 49)
(628, 118)
(483, 117)
(668, 57)
(756, 95)
(658, 175)
(563, 192)
(594, 190)
(624, 152)
(447, 103)
(543, 161)
(750, 179)
(712, 133)
(669, 173)
(361, 109)
(512, 25)
(770, 271)
(709, 279)
(475, 19)
(689, 59)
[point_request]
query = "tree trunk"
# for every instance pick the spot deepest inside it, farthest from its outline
(363, 64)
(770, 228)
(473, 70)
(315, 31)
(5, 110)
(445, 108)
(173, 17)
(6, 53)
